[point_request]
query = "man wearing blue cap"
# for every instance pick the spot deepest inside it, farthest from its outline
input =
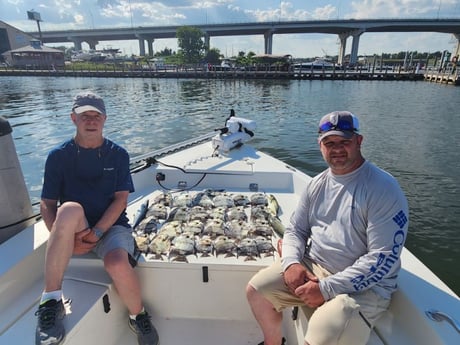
(341, 251)
(88, 177)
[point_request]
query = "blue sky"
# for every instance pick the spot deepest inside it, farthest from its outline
(86, 14)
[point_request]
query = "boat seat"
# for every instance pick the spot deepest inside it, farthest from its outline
(85, 313)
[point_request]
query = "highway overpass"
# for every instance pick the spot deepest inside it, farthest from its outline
(342, 28)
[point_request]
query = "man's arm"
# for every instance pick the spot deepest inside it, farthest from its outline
(386, 234)
(296, 234)
(110, 215)
(48, 209)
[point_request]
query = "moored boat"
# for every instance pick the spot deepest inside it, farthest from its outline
(195, 293)
(320, 64)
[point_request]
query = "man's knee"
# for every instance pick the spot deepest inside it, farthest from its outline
(338, 321)
(250, 291)
(70, 207)
(70, 218)
(70, 211)
(116, 261)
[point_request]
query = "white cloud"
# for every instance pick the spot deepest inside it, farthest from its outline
(79, 19)
(402, 8)
(15, 2)
(326, 12)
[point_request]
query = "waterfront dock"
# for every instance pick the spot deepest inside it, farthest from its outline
(444, 76)
(197, 73)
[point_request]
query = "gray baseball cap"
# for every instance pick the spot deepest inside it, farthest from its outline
(342, 123)
(88, 101)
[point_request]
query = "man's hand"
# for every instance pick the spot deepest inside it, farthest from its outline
(84, 242)
(296, 275)
(310, 294)
(304, 284)
(91, 237)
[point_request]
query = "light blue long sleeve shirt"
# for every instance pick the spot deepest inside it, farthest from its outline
(355, 226)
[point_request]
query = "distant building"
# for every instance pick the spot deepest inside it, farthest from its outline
(273, 62)
(12, 38)
(19, 49)
(34, 55)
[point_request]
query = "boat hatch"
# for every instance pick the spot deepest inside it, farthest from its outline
(237, 163)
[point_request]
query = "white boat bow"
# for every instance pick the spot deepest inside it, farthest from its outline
(200, 299)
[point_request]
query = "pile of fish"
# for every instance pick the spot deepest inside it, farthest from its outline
(207, 223)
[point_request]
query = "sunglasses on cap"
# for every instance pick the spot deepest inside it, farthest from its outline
(340, 125)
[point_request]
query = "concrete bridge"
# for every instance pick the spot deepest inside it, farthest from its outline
(342, 28)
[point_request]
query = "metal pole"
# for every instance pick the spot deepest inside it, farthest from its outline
(39, 31)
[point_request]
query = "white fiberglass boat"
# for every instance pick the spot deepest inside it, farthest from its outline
(318, 64)
(197, 296)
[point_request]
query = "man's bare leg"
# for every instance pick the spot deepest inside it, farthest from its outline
(268, 318)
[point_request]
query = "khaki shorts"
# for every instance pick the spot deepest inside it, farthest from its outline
(338, 321)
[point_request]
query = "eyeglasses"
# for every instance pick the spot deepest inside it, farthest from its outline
(341, 126)
(87, 118)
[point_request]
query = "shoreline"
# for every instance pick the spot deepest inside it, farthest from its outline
(199, 74)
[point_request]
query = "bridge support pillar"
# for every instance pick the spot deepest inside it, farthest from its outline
(268, 42)
(207, 41)
(76, 43)
(456, 52)
(92, 44)
(150, 45)
(343, 46)
(141, 47)
(355, 46)
(142, 39)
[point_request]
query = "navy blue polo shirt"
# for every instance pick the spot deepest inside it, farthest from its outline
(88, 176)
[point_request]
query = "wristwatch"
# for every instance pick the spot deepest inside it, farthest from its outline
(98, 232)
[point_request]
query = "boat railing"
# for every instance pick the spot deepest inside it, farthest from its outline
(146, 158)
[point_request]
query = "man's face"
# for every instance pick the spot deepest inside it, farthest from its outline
(341, 154)
(89, 123)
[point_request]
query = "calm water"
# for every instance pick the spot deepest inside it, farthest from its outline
(411, 129)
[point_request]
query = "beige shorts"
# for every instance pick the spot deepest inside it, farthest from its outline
(338, 321)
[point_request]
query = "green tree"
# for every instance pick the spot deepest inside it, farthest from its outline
(213, 56)
(191, 45)
(165, 52)
(245, 60)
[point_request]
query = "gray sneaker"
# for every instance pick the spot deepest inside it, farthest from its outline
(143, 327)
(50, 330)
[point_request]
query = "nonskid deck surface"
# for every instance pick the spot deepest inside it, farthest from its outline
(203, 332)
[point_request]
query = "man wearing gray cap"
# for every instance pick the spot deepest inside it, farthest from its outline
(88, 177)
(341, 251)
